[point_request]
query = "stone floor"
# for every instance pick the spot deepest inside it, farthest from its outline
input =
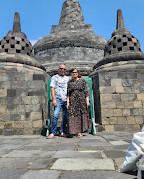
(89, 157)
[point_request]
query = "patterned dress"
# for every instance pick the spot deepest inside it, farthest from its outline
(78, 119)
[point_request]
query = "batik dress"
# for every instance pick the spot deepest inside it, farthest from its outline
(78, 119)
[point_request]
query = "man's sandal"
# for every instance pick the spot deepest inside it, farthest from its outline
(79, 134)
(51, 136)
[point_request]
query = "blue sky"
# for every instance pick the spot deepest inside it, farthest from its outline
(37, 16)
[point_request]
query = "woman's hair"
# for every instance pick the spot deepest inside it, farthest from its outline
(71, 70)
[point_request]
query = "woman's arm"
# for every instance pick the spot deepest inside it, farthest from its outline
(67, 102)
(87, 101)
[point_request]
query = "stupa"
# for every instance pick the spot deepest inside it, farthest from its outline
(72, 42)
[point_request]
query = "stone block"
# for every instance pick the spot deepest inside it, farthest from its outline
(35, 99)
(106, 97)
(122, 120)
(106, 112)
(29, 108)
(120, 105)
(9, 125)
(3, 109)
(137, 104)
(119, 127)
(139, 120)
(1, 125)
(11, 92)
(136, 127)
(5, 117)
(131, 120)
(22, 117)
(28, 131)
(137, 112)
(18, 124)
(116, 97)
(128, 97)
(140, 97)
(8, 132)
(119, 89)
(27, 124)
(113, 120)
(116, 82)
(105, 121)
(107, 90)
(11, 108)
(37, 123)
(127, 82)
(37, 107)
(15, 117)
(126, 112)
(111, 74)
(117, 112)
(83, 164)
(39, 77)
(21, 108)
(109, 128)
(27, 100)
(35, 115)
(41, 174)
(36, 93)
(3, 92)
(108, 104)
(128, 105)
(5, 85)
(37, 130)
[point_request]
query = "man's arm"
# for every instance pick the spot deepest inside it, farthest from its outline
(53, 96)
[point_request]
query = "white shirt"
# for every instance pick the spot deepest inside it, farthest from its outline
(60, 84)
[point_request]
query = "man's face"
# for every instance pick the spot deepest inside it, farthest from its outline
(62, 70)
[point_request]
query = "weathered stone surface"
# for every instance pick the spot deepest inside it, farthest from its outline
(95, 174)
(41, 174)
(10, 173)
(83, 164)
(114, 154)
(14, 163)
(77, 154)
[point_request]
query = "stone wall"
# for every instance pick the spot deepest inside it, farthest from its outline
(23, 99)
(120, 95)
(84, 58)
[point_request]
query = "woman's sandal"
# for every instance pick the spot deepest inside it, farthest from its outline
(51, 136)
(79, 134)
(62, 135)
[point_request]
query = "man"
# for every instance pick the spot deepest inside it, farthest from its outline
(59, 100)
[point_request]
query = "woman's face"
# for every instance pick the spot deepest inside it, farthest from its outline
(74, 74)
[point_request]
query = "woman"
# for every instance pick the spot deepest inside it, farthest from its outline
(77, 102)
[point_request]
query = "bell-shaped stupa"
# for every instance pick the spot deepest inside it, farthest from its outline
(23, 85)
(122, 45)
(72, 42)
(118, 82)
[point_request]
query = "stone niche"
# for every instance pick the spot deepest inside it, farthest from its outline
(119, 88)
(23, 99)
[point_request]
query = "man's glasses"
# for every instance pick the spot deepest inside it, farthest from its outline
(74, 72)
(62, 68)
